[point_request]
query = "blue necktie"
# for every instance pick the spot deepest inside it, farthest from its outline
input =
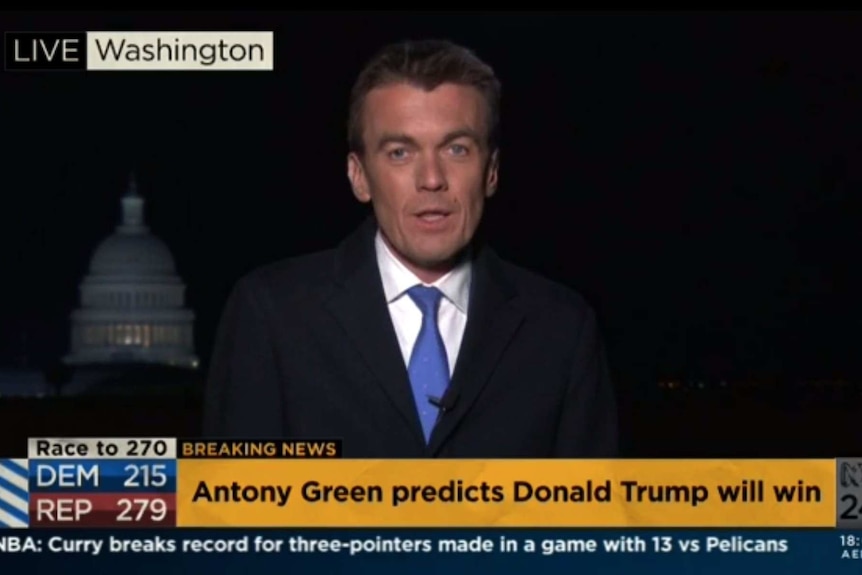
(429, 366)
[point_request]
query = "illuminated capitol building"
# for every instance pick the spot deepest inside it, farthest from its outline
(131, 315)
(132, 301)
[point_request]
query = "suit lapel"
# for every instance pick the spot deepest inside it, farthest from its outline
(493, 319)
(359, 306)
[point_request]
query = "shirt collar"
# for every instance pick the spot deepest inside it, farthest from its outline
(397, 279)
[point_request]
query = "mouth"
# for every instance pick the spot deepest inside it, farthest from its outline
(432, 215)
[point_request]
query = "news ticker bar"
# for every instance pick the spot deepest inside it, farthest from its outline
(434, 551)
(139, 51)
(169, 482)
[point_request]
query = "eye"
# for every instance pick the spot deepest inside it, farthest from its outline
(459, 149)
(397, 153)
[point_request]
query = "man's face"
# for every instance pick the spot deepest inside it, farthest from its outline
(426, 169)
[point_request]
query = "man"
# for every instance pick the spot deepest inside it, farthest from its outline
(412, 338)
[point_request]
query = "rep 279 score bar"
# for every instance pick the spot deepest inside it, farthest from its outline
(130, 482)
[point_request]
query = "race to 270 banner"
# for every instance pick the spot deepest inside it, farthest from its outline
(165, 495)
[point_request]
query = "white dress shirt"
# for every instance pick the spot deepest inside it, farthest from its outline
(406, 315)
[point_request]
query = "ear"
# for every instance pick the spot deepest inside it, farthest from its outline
(358, 181)
(491, 174)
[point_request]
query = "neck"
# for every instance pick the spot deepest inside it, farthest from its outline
(426, 273)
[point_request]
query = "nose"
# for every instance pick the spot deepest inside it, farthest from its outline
(430, 175)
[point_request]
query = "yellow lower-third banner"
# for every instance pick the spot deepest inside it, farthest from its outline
(506, 493)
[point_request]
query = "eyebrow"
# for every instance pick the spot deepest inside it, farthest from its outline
(399, 138)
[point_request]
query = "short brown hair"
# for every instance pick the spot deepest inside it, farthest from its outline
(426, 64)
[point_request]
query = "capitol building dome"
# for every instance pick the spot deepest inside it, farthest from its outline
(132, 306)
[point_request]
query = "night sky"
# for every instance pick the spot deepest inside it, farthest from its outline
(697, 178)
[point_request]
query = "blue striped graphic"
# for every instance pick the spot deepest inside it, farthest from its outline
(14, 493)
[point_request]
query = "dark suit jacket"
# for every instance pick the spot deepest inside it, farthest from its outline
(306, 349)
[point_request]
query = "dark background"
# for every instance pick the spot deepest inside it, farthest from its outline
(696, 177)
